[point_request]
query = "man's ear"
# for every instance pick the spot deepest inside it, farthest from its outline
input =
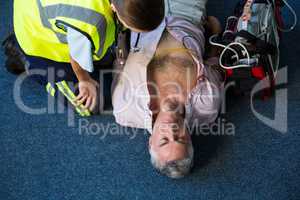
(113, 7)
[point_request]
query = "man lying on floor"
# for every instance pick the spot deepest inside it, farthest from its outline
(165, 88)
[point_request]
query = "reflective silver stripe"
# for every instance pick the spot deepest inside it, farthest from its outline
(86, 15)
(45, 21)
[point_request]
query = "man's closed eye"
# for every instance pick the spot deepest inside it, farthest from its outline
(163, 141)
(181, 141)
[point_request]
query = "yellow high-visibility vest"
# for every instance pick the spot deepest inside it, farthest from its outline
(40, 26)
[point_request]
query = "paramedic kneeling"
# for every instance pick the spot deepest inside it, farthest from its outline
(80, 33)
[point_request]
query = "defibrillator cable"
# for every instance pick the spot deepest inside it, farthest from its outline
(222, 46)
(229, 47)
(295, 18)
(236, 66)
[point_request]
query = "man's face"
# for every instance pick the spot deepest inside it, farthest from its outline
(170, 138)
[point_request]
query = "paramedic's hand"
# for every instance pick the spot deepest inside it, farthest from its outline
(87, 94)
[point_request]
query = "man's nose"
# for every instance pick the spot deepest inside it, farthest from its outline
(175, 136)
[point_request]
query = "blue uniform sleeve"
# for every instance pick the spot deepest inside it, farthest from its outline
(80, 49)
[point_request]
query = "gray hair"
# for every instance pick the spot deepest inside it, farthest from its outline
(176, 168)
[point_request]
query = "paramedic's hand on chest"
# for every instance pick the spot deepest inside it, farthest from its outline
(82, 63)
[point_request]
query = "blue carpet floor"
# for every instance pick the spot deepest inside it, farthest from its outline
(41, 157)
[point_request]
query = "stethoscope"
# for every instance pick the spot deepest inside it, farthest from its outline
(136, 47)
(120, 28)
